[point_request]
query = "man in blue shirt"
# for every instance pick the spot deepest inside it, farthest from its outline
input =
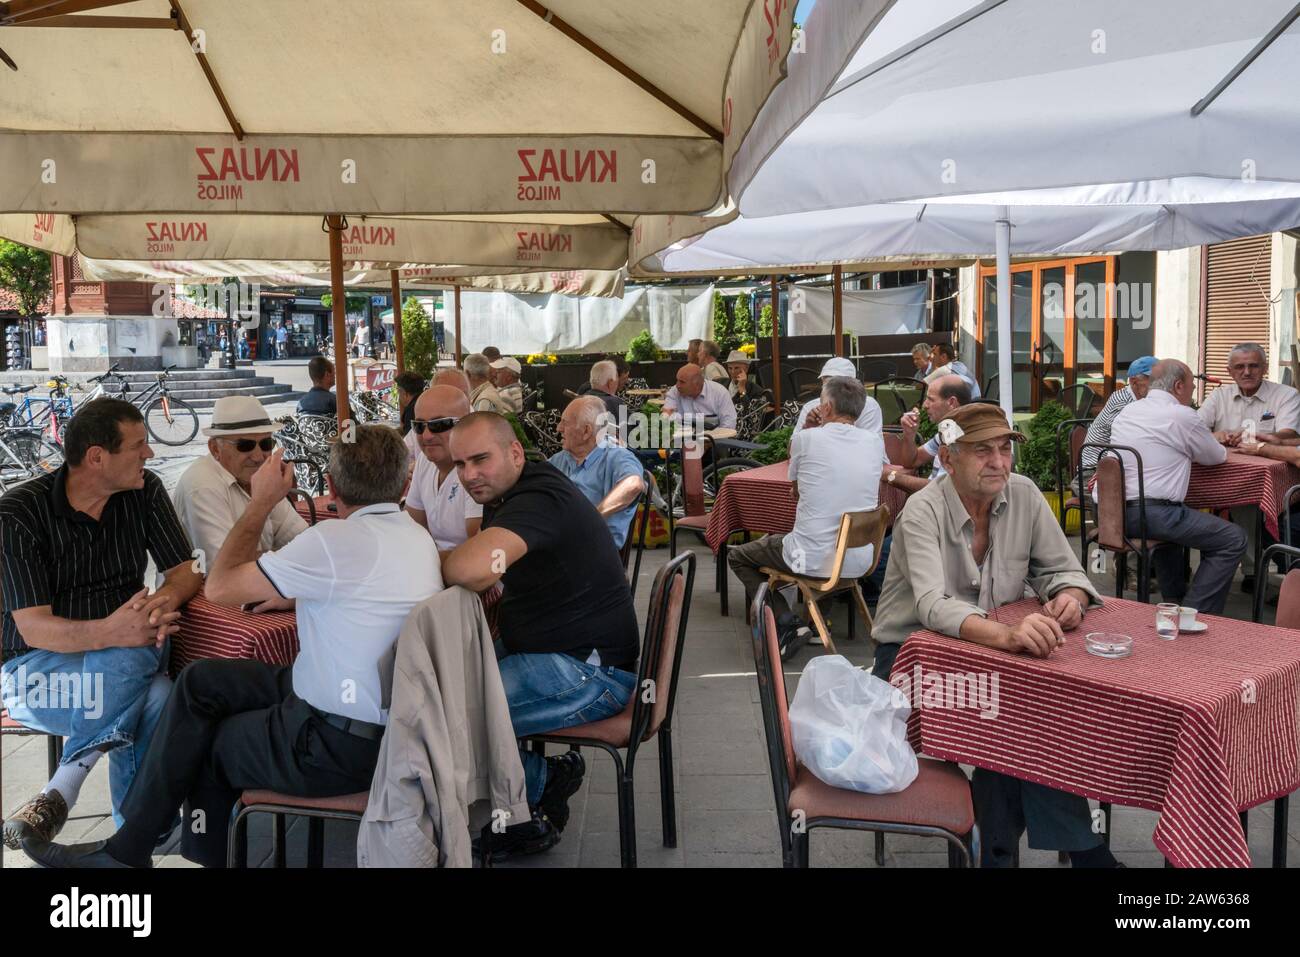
(319, 400)
(610, 476)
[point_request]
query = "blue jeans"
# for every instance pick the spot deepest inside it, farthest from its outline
(109, 699)
(547, 692)
(1221, 545)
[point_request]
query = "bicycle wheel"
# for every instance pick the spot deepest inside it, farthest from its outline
(170, 420)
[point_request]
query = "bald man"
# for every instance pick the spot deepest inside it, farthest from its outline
(452, 377)
(436, 500)
(695, 395)
(568, 626)
(609, 475)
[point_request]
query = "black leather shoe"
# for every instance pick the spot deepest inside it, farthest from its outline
(564, 774)
(531, 837)
(92, 855)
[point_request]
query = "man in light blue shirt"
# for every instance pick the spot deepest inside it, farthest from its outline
(944, 361)
(610, 476)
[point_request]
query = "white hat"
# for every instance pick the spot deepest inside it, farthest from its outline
(738, 356)
(838, 367)
(507, 362)
(240, 415)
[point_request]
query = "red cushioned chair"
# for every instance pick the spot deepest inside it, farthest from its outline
(641, 720)
(718, 469)
(345, 807)
(9, 726)
(936, 804)
(1288, 616)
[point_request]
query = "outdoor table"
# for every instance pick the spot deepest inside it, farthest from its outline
(1244, 480)
(759, 500)
(322, 503)
(209, 630)
(1198, 728)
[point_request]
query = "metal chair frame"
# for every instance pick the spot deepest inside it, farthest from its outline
(643, 712)
(963, 851)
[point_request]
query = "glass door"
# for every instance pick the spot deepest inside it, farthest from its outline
(1051, 375)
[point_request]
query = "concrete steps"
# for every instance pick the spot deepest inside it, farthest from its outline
(199, 387)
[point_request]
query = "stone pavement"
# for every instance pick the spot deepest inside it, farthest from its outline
(725, 809)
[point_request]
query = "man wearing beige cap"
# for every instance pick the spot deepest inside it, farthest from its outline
(483, 395)
(505, 376)
(962, 548)
(214, 492)
(810, 418)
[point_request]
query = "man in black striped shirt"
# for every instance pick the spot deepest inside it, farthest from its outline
(83, 639)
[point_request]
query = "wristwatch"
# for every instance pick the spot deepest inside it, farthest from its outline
(893, 474)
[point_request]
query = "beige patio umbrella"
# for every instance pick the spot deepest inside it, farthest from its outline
(522, 111)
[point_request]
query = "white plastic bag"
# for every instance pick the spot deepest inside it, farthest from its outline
(850, 728)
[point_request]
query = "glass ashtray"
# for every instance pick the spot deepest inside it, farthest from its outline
(1108, 645)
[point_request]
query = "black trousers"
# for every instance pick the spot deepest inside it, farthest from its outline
(228, 726)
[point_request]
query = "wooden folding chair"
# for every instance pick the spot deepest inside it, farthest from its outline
(856, 530)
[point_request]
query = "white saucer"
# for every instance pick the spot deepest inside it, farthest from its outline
(1194, 627)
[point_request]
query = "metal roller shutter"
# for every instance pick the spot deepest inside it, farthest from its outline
(1236, 303)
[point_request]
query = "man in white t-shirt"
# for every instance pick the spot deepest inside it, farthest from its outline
(313, 728)
(436, 500)
(835, 469)
(869, 418)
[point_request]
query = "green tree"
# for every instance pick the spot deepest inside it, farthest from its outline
(353, 304)
(419, 351)
(765, 322)
(26, 272)
(643, 348)
(742, 326)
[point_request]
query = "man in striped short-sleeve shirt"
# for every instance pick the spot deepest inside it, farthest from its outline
(1139, 380)
(83, 638)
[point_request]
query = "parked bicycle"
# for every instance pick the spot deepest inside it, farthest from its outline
(43, 413)
(171, 421)
(25, 453)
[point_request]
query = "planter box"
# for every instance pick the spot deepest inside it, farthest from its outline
(1054, 499)
(183, 357)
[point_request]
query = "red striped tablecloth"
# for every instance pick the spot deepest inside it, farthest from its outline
(1198, 728)
(1244, 480)
(209, 630)
(322, 508)
(758, 500)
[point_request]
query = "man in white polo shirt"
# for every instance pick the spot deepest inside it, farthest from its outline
(836, 469)
(436, 500)
(313, 728)
(869, 418)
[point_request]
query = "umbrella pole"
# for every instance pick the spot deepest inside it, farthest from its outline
(397, 319)
(1006, 387)
(837, 306)
(776, 342)
(339, 310)
(456, 299)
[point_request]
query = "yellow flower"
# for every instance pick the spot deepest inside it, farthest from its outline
(748, 348)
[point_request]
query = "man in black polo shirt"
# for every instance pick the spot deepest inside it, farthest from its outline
(319, 400)
(83, 639)
(567, 622)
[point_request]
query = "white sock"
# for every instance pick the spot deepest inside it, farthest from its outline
(69, 777)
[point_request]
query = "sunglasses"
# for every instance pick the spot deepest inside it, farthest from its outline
(435, 426)
(247, 445)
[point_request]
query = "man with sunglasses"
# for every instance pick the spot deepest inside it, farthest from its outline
(436, 500)
(215, 491)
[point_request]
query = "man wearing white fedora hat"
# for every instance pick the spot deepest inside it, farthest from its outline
(810, 417)
(215, 491)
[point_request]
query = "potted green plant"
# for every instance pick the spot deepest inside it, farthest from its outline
(1036, 458)
(643, 348)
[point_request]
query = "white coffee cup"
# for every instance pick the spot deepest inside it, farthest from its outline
(1186, 617)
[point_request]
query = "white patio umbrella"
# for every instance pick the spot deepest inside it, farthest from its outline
(1093, 127)
(175, 109)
